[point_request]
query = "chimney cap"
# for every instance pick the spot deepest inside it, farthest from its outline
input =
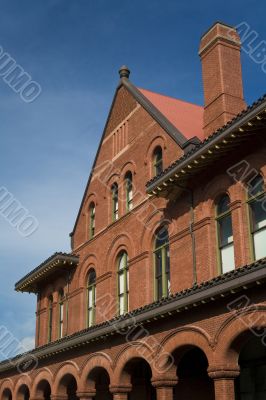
(124, 72)
(218, 23)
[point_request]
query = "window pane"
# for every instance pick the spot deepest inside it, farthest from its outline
(258, 215)
(121, 305)
(159, 167)
(61, 311)
(90, 297)
(90, 317)
(228, 259)
(158, 263)
(256, 186)
(225, 230)
(159, 288)
(122, 261)
(167, 270)
(92, 277)
(158, 161)
(167, 266)
(223, 205)
(161, 237)
(260, 244)
(121, 284)
(127, 282)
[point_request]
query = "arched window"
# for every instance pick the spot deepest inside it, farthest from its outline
(91, 297)
(129, 191)
(50, 318)
(162, 263)
(157, 160)
(257, 212)
(225, 235)
(92, 220)
(122, 283)
(114, 202)
(61, 314)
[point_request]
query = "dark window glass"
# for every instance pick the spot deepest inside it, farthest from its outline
(158, 161)
(257, 211)
(225, 235)
(162, 263)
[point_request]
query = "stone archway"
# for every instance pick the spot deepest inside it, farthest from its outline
(7, 394)
(43, 390)
(140, 375)
(192, 375)
(23, 393)
(99, 381)
(68, 387)
(251, 383)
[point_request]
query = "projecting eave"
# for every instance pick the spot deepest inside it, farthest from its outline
(200, 295)
(57, 262)
(248, 123)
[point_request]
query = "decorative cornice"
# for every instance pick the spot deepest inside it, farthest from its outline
(58, 260)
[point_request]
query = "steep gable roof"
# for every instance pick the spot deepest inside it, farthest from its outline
(185, 143)
(186, 117)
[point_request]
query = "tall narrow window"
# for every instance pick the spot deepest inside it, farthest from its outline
(257, 212)
(225, 235)
(50, 318)
(129, 191)
(162, 263)
(115, 202)
(157, 160)
(91, 297)
(92, 220)
(61, 314)
(122, 283)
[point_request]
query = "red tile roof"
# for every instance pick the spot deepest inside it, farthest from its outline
(186, 117)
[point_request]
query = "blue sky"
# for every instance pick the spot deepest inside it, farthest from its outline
(74, 49)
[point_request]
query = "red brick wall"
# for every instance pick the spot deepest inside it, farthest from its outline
(134, 231)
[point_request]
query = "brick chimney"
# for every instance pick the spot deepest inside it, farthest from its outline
(222, 76)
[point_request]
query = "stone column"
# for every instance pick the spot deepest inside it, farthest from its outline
(224, 382)
(120, 392)
(164, 389)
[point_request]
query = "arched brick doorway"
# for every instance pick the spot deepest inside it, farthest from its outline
(193, 379)
(140, 377)
(68, 386)
(251, 384)
(99, 380)
(43, 390)
(7, 395)
(23, 393)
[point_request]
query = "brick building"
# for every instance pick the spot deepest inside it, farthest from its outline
(163, 294)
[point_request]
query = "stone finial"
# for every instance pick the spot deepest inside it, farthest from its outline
(124, 72)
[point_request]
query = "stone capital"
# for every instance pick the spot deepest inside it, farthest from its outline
(86, 395)
(120, 389)
(226, 372)
(162, 383)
